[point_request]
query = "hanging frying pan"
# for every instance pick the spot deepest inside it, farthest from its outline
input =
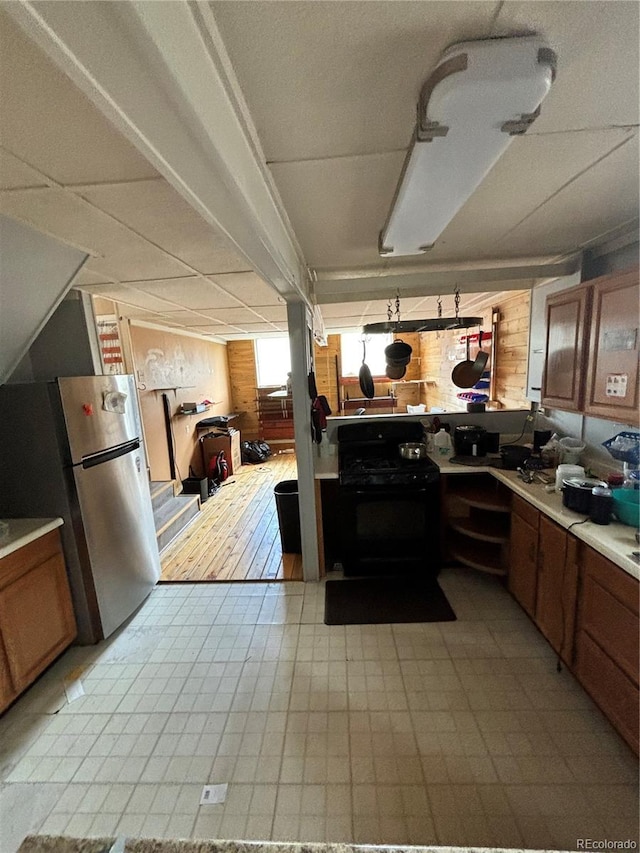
(366, 380)
(463, 374)
(313, 390)
(481, 360)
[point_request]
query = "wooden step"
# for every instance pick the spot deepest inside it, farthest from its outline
(173, 516)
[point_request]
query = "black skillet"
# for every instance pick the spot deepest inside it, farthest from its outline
(366, 380)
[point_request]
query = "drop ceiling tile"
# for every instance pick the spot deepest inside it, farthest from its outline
(221, 330)
(121, 254)
(598, 60)
(249, 288)
(337, 207)
(232, 315)
(190, 292)
(576, 220)
(329, 79)
(51, 125)
(86, 277)
(156, 211)
(15, 174)
(273, 313)
(341, 309)
(533, 169)
(186, 318)
(128, 296)
(255, 328)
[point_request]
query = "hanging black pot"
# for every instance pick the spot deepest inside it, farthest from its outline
(365, 377)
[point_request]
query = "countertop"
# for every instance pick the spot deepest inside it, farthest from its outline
(615, 541)
(50, 844)
(24, 530)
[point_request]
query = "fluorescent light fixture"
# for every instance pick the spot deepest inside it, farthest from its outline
(479, 96)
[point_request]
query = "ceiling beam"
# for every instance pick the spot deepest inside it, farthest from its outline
(159, 72)
(360, 285)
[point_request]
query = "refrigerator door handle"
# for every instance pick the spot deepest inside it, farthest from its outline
(108, 455)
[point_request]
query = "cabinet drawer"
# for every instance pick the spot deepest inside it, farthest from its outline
(25, 558)
(609, 687)
(525, 510)
(611, 624)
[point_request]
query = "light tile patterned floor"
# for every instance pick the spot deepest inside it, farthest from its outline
(451, 733)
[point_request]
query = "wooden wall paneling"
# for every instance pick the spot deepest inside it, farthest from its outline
(510, 353)
(243, 380)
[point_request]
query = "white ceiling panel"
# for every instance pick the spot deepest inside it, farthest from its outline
(249, 288)
(597, 47)
(186, 318)
(328, 79)
(256, 328)
(86, 277)
(15, 174)
(214, 329)
(50, 124)
(122, 255)
(128, 296)
(337, 207)
(189, 292)
(233, 315)
(156, 211)
(533, 169)
(576, 218)
(326, 199)
(273, 313)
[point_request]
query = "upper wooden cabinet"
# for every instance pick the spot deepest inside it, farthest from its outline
(612, 374)
(567, 316)
(591, 352)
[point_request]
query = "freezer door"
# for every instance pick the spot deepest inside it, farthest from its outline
(115, 505)
(99, 412)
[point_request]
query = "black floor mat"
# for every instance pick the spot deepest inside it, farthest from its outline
(372, 601)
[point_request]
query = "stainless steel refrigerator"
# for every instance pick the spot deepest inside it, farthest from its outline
(74, 448)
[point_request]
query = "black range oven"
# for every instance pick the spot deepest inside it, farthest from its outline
(389, 506)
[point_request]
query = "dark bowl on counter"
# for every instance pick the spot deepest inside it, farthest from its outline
(576, 493)
(513, 456)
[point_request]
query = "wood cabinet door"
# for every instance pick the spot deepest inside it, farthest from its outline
(565, 351)
(612, 377)
(7, 691)
(523, 559)
(37, 619)
(557, 587)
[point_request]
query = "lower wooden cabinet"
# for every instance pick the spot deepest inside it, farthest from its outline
(557, 587)
(523, 555)
(585, 606)
(543, 574)
(607, 642)
(36, 614)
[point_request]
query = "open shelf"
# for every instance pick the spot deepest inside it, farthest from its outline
(493, 528)
(483, 498)
(478, 555)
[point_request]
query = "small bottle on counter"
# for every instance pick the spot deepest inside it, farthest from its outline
(442, 442)
(600, 505)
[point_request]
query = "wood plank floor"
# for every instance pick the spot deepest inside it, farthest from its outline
(236, 536)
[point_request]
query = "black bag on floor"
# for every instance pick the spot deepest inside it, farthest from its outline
(252, 453)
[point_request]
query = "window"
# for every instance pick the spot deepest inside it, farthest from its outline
(273, 361)
(351, 353)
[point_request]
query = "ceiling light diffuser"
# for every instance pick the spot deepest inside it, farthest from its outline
(480, 95)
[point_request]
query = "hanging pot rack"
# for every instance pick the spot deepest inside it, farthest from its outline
(431, 324)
